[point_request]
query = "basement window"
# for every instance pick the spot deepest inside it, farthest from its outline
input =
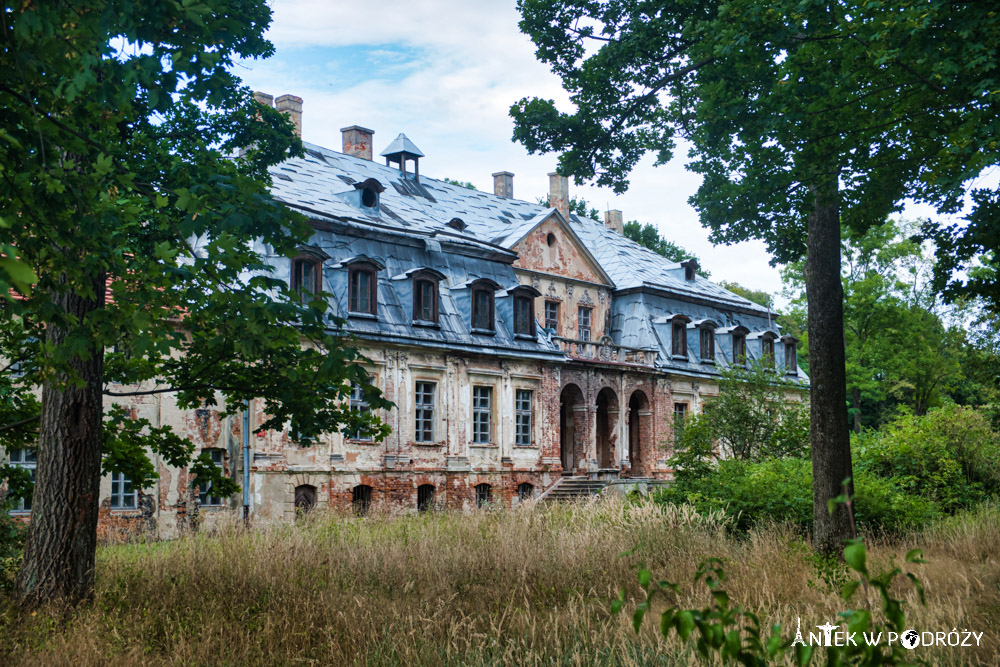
(525, 491)
(483, 493)
(361, 499)
(425, 497)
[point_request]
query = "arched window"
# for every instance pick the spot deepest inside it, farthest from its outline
(525, 491)
(425, 296)
(678, 335)
(305, 498)
(361, 499)
(363, 288)
(483, 492)
(425, 497)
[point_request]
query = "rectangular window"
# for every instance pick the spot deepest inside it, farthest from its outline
(425, 301)
(583, 322)
(791, 361)
(123, 496)
(524, 318)
(205, 496)
(482, 404)
(707, 344)
(360, 406)
(522, 417)
(26, 459)
(424, 416)
(304, 278)
(768, 348)
(552, 315)
(362, 288)
(482, 310)
(739, 349)
(679, 335)
(680, 413)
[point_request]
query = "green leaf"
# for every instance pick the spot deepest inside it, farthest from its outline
(684, 622)
(645, 576)
(915, 556)
(803, 654)
(637, 616)
(849, 588)
(856, 557)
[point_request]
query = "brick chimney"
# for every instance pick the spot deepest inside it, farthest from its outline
(559, 193)
(358, 141)
(264, 98)
(613, 221)
(503, 184)
(291, 106)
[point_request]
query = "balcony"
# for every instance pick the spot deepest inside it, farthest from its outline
(605, 351)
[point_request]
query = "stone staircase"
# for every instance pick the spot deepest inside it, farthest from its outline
(574, 488)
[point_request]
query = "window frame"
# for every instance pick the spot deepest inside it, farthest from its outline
(361, 499)
(524, 418)
(357, 403)
(28, 460)
(524, 309)
(423, 424)
(580, 328)
(297, 274)
(740, 349)
(353, 298)
(484, 495)
(706, 332)
(684, 408)
(678, 337)
(478, 317)
(205, 496)
(522, 495)
(125, 491)
(481, 413)
(554, 320)
(767, 351)
(791, 357)
(419, 279)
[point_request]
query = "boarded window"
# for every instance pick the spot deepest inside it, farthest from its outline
(205, 496)
(361, 499)
(123, 495)
(425, 497)
(523, 399)
(483, 493)
(424, 415)
(552, 315)
(482, 405)
(583, 322)
(362, 290)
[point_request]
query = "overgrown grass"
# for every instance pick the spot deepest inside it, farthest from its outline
(525, 587)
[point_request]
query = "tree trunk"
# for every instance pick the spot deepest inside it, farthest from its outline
(59, 555)
(829, 429)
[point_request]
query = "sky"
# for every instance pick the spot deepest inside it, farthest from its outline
(445, 72)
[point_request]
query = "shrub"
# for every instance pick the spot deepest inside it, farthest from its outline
(780, 490)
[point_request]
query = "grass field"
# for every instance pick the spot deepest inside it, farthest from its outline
(524, 587)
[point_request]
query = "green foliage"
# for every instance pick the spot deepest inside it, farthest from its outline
(950, 456)
(734, 635)
(648, 236)
(759, 297)
(752, 418)
(118, 186)
(461, 184)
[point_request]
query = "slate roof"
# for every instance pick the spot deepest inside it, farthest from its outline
(322, 185)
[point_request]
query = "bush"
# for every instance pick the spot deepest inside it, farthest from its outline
(780, 490)
(951, 456)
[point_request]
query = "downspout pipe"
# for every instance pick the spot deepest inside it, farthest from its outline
(246, 462)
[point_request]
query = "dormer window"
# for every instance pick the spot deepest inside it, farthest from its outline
(767, 349)
(524, 310)
(425, 297)
(370, 190)
(791, 355)
(690, 269)
(482, 307)
(305, 277)
(739, 349)
(678, 336)
(706, 341)
(457, 224)
(363, 287)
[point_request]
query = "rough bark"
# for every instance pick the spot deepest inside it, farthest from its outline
(829, 427)
(58, 563)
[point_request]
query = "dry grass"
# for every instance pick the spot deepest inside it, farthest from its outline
(522, 587)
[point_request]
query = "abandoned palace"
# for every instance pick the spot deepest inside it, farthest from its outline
(520, 344)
